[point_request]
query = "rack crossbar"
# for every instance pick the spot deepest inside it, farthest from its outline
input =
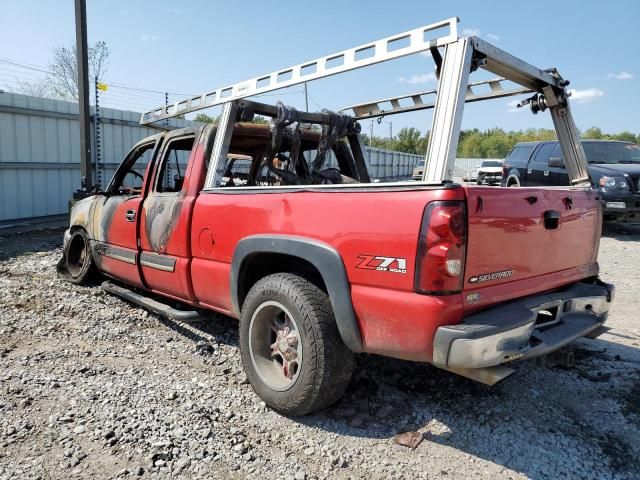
(416, 101)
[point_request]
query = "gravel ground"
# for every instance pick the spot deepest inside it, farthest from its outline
(92, 387)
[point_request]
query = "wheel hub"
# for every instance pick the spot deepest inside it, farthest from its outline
(279, 365)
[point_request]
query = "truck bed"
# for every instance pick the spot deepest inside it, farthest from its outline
(510, 252)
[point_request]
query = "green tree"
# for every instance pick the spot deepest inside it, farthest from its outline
(472, 146)
(593, 133)
(407, 141)
(204, 118)
(624, 136)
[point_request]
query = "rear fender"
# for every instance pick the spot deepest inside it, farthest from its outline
(323, 257)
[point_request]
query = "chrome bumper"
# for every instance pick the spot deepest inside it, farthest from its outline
(526, 328)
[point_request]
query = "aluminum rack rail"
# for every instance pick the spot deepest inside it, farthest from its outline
(385, 49)
(416, 101)
(462, 55)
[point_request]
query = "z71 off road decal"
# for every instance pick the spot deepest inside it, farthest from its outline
(486, 277)
(383, 264)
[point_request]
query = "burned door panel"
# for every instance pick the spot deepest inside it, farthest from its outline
(116, 216)
(164, 229)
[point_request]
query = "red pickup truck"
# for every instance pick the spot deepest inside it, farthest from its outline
(280, 226)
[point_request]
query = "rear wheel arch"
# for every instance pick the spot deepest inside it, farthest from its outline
(513, 181)
(258, 256)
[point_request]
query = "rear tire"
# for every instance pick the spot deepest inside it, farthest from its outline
(291, 349)
(513, 182)
(78, 261)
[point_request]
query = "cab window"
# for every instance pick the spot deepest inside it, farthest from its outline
(174, 163)
(129, 178)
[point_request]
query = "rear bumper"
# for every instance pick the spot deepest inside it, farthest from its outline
(519, 330)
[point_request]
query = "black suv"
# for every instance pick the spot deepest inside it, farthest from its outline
(614, 167)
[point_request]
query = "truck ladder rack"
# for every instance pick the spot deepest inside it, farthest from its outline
(462, 55)
(385, 49)
(376, 108)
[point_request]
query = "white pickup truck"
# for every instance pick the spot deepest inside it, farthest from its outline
(490, 172)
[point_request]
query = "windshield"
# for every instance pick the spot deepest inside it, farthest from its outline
(491, 163)
(611, 152)
(420, 163)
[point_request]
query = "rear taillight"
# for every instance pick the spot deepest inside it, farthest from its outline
(441, 248)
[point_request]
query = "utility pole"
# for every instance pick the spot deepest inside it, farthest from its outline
(390, 130)
(306, 98)
(86, 180)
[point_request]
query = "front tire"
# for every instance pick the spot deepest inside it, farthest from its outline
(77, 264)
(291, 349)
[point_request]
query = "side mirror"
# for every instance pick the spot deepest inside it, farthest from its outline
(557, 162)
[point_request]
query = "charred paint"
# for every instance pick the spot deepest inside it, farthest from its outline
(103, 215)
(162, 213)
(81, 214)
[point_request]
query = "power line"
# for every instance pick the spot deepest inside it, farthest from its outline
(128, 87)
(278, 94)
(42, 69)
(21, 72)
(314, 102)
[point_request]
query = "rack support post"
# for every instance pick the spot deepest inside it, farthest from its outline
(447, 114)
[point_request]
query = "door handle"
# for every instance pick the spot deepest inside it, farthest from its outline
(546, 173)
(552, 219)
(130, 215)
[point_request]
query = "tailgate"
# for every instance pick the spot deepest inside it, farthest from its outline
(523, 241)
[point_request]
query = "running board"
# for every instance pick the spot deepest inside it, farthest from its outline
(155, 306)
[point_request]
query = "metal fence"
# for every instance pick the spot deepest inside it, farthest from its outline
(464, 166)
(387, 165)
(39, 154)
(40, 158)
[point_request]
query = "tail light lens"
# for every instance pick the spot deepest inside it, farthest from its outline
(442, 248)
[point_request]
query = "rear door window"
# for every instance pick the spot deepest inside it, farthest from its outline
(541, 159)
(520, 154)
(174, 163)
(557, 152)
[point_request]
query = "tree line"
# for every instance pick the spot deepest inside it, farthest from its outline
(490, 143)
(474, 143)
